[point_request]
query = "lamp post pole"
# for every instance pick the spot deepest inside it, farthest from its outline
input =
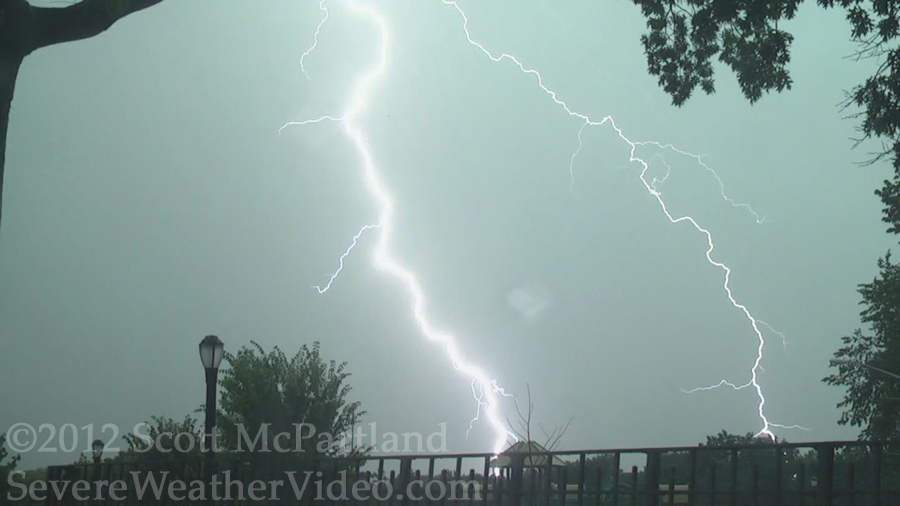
(97, 453)
(211, 351)
(212, 376)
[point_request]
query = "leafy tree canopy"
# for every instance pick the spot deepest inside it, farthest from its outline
(686, 36)
(871, 401)
(7, 465)
(260, 388)
(164, 439)
(10, 464)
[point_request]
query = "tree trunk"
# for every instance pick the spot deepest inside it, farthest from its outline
(9, 68)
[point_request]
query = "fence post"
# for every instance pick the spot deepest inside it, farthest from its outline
(562, 487)
(877, 482)
(825, 476)
(581, 463)
(652, 474)
(405, 478)
(487, 481)
(779, 463)
(617, 463)
(547, 480)
(735, 456)
(693, 497)
(517, 462)
(51, 477)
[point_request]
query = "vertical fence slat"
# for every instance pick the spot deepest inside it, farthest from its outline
(581, 462)
(532, 484)
(486, 487)
(671, 491)
(779, 462)
(734, 476)
(548, 479)
(517, 463)
(825, 476)
(755, 485)
(692, 478)
(562, 487)
(498, 493)
(392, 487)
(357, 478)
(417, 491)
(617, 463)
(652, 477)
(634, 485)
(471, 487)
(877, 455)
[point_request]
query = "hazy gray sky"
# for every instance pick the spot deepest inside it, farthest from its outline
(150, 201)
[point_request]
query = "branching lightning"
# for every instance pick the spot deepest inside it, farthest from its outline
(572, 161)
(651, 189)
(347, 252)
(759, 218)
(784, 339)
(315, 37)
(665, 176)
(484, 388)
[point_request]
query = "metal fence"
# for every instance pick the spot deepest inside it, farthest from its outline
(805, 474)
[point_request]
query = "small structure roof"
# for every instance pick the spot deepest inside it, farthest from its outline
(535, 455)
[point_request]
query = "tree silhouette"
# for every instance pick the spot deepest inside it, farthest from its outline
(871, 398)
(5, 467)
(268, 394)
(25, 28)
(686, 35)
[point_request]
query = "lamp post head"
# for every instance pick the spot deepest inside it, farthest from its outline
(839, 361)
(97, 449)
(211, 351)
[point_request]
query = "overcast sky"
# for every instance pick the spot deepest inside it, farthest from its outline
(149, 201)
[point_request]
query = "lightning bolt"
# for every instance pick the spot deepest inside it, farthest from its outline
(487, 392)
(478, 394)
(738, 205)
(650, 186)
(784, 339)
(315, 37)
(347, 252)
(665, 176)
(572, 161)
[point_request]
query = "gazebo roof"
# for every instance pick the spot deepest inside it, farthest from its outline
(535, 455)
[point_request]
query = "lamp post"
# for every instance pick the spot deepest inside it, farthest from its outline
(211, 351)
(97, 450)
(844, 361)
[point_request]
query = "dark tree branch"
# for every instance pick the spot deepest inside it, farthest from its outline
(25, 28)
(80, 21)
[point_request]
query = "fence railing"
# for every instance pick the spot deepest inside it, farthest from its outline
(806, 474)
